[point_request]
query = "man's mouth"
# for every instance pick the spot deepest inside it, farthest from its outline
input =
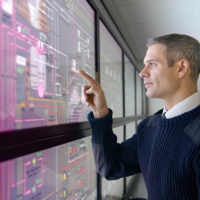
(147, 83)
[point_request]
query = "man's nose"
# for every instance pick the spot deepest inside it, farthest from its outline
(144, 72)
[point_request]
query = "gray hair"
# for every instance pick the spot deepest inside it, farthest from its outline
(178, 47)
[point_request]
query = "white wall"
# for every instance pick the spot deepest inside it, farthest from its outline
(156, 104)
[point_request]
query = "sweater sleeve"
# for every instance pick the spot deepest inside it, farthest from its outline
(112, 160)
(197, 170)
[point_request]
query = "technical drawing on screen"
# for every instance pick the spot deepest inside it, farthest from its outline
(64, 172)
(43, 43)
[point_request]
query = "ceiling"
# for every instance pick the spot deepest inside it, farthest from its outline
(139, 20)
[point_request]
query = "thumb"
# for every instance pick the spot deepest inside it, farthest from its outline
(89, 91)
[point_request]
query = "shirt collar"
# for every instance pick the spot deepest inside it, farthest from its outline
(184, 106)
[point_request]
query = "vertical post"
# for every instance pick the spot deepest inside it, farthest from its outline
(97, 76)
(124, 112)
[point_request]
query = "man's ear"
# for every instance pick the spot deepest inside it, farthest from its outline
(183, 68)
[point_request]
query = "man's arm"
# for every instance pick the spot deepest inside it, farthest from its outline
(113, 160)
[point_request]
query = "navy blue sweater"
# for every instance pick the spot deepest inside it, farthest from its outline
(166, 151)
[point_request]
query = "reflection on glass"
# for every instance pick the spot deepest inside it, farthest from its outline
(111, 71)
(139, 93)
(63, 172)
(129, 88)
(114, 189)
(42, 44)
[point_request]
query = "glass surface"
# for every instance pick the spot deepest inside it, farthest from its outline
(43, 43)
(129, 88)
(111, 71)
(59, 173)
(130, 131)
(114, 189)
(139, 93)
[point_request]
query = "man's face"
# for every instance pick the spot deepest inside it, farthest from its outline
(160, 80)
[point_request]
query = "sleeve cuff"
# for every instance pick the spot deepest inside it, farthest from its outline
(103, 123)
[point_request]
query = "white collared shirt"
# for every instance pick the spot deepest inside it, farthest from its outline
(184, 106)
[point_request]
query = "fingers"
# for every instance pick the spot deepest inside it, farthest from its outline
(84, 102)
(85, 88)
(84, 96)
(93, 96)
(87, 77)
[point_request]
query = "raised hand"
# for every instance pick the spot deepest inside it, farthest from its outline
(94, 96)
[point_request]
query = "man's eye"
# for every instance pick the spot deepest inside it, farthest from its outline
(152, 64)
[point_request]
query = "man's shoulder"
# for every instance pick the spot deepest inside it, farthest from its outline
(158, 112)
(152, 119)
(193, 130)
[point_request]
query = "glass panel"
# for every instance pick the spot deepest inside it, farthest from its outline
(111, 71)
(139, 93)
(63, 172)
(114, 189)
(130, 129)
(43, 43)
(129, 88)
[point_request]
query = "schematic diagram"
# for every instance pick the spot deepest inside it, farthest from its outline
(50, 174)
(25, 177)
(74, 165)
(44, 42)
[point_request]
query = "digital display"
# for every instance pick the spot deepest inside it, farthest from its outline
(43, 43)
(65, 172)
(129, 88)
(114, 189)
(111, 71)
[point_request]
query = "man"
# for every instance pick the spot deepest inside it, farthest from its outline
(166, 147)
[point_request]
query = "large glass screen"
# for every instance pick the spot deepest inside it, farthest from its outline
(114, 189)
(129, 88)
(43, 43)
(111, 71)
(59, 173)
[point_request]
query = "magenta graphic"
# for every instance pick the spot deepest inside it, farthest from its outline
(40, 90)
(40, 47)
(43, 43)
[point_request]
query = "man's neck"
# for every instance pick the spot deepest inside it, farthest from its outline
(172, 101)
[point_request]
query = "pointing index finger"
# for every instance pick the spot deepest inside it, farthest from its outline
(87, 77)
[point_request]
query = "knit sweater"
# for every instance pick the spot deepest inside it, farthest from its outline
(166, 151)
